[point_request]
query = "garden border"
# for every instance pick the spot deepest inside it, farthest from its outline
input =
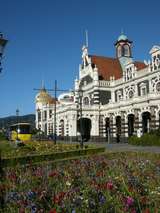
(9, 162)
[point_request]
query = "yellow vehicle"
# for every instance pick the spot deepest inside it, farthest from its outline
(20, 131)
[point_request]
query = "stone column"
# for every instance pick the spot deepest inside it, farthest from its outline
(95, 126)
(123, 124)
(153, 117)
(126, 125)
(136, 90)
(113, 124)
(113, 96)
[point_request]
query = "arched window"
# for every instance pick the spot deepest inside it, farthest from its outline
(126, 50)
(119, 51)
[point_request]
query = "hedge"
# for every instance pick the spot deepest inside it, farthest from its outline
(9, 162)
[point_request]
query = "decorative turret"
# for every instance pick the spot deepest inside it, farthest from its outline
(44, 98)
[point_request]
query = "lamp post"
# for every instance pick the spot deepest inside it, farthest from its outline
(38, 112)
(3, 43)
(80, 110)
(17, 114)
(55, 113)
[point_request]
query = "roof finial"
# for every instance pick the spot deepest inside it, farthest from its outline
(86, 32)
(43, 87)
(122, 31)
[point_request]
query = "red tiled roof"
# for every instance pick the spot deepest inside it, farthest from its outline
(108, 67)
(140, 65)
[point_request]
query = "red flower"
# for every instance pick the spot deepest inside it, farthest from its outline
(146, 211)
(108, 185)
(53, 211)
(59, 197)
(53, 174)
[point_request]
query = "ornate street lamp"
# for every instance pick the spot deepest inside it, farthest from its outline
(80, 110)
(17, 114)
(3, 43)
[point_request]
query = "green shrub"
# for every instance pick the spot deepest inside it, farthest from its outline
(2, 136)
(148, 139)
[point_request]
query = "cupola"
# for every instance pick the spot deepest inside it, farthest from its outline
(123, 46)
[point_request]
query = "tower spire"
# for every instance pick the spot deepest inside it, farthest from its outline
(86, 34)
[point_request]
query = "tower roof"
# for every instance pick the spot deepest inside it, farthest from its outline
(44, 97)
(122, 37)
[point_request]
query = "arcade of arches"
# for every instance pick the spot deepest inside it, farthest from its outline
(125, 125)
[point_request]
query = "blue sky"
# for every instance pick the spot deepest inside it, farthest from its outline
(46, 37)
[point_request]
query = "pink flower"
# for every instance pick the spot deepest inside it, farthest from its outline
(129, 201)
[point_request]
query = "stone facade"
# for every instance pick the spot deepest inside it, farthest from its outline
(120, 97)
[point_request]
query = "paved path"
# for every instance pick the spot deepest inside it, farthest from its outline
(120, 147)
(128, 147)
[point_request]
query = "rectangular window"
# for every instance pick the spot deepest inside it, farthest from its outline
(45, 115)
(39, 116)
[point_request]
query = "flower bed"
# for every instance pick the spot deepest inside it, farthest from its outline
(11, 149)
(53, 155)
(116, 182)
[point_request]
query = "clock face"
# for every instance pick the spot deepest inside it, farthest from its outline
(158, 87)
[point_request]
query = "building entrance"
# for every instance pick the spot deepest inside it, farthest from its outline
(107, 128)
(130, 124)
(84, 128)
